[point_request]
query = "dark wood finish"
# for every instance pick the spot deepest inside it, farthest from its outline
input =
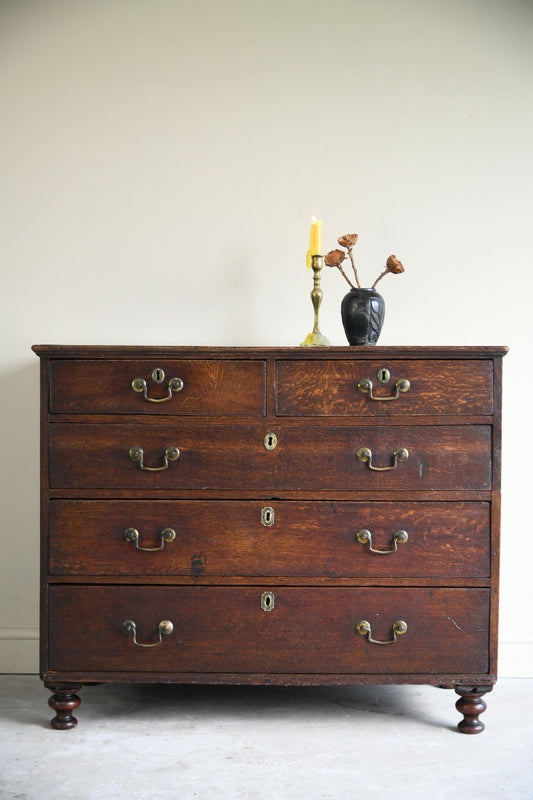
(208, 582)
(64, 701)
(218, 457)
(216, 538)
(210, 387)
(150, 352)
(471, 705)
(329, 388)
(310, 629)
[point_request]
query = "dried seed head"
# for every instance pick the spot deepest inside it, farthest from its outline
(394, 265)
(334, 258)
(348, 240)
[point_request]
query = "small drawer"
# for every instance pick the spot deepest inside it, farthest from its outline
(268, 629)
(186, 387)
(383, 388)
(212, 539)
(222, 457)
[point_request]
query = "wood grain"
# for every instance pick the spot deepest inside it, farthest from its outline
(208, 581)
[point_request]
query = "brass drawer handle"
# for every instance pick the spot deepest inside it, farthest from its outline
(364, 454)
(132, 535)
(365, 629)
(174, 385)
(137, 454)
(366, 386)
(365, 537)
(164, 628)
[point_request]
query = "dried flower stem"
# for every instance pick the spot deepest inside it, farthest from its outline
(354, 269)
(385, 272)
(345, 276)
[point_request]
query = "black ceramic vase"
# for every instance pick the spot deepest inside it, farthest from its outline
(362, 312)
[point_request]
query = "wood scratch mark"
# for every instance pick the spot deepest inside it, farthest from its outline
(456, 625)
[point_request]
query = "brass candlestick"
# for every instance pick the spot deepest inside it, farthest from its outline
(316, 338)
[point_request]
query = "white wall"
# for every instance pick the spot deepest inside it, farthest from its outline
(159, 164)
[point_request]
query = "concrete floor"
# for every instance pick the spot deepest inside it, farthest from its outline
(262, 743)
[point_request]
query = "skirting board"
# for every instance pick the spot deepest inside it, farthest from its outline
(19, 653)
(19, 650)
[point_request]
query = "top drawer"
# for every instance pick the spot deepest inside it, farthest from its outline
(159, 386)
(383, 388)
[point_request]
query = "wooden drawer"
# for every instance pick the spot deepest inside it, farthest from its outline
(269, 538)
(209, 387)
(331, 387)
(309, 630)
(223, 457)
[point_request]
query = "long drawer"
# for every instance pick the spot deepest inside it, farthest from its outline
(304, 630)
(158, 386)
(397, 387)
(219, 457)
(267, 538)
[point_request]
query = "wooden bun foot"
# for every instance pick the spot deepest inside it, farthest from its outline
(471, 705)
(64, 701)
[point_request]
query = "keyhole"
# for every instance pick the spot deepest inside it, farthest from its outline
(268, 601)
(383, 375)
(270, 441)
(268, 516)
(158, 375)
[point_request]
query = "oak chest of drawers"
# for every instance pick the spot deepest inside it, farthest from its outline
(296, 516)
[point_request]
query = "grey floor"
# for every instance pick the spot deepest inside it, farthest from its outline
(262, 743)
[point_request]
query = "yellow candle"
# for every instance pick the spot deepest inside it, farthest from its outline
(315, 240)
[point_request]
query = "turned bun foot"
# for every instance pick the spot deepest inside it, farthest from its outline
(64, 701)
(471, 705)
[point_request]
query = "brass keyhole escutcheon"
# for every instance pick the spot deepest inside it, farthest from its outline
(268, 601)
(268, 516)
(158, 375)
(383, 375)
(270, 441)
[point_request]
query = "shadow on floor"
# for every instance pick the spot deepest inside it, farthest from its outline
(238, 703)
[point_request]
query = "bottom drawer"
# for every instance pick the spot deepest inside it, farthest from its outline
(220, 629)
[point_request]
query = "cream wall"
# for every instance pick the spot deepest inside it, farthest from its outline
(159, 164)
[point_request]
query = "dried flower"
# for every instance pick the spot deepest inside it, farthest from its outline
(334, 258)
(348, 240)
(394, 265)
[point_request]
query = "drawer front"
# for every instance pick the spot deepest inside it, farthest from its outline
(435, 387)
(223, 457)
(269, 538)
(202, 387)
(306, 630)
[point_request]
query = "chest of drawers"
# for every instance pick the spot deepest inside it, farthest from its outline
(295, 516)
